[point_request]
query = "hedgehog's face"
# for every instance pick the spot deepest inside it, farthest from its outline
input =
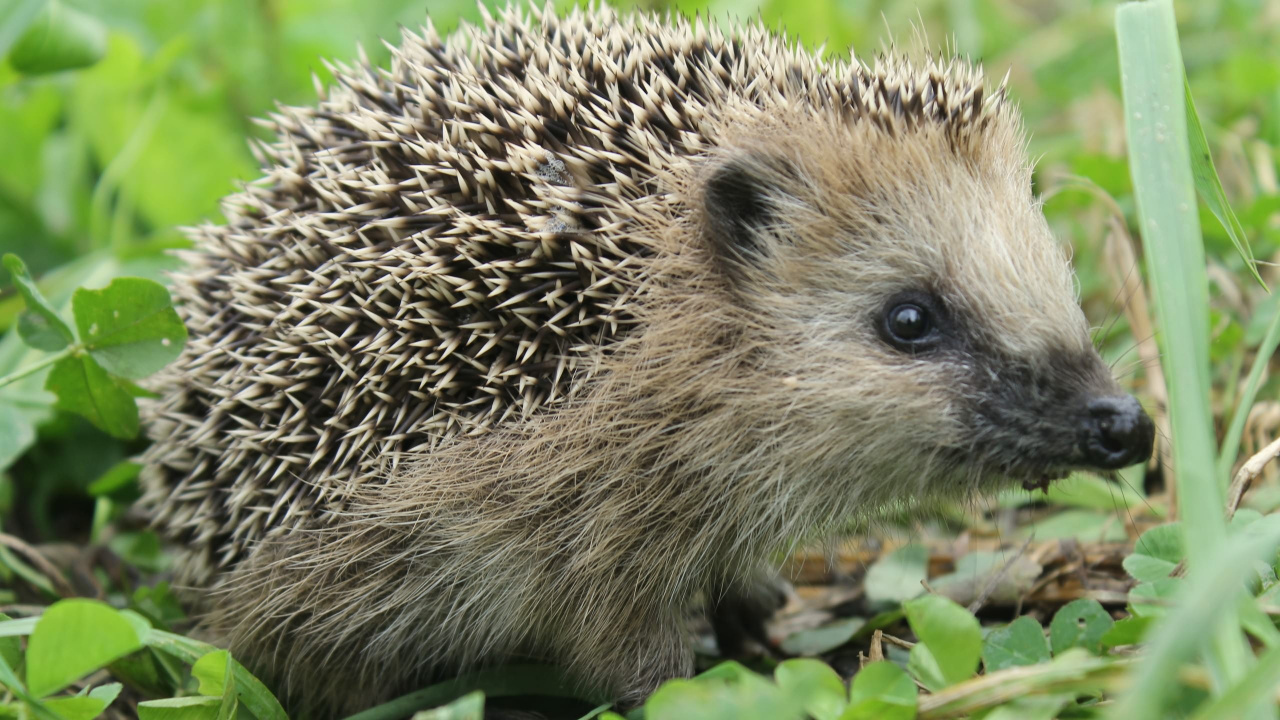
(911, 293)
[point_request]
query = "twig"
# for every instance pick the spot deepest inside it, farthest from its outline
(876, 651)
(995, 579)
(992, 689)
(1247, 473)
(22, 610)
(42, 563)
(892, 640)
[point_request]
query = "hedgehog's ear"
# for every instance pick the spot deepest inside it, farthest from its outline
(742, 199)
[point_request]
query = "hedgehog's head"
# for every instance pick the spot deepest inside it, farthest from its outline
(906, 289)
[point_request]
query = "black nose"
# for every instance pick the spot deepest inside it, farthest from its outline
(1117, 433)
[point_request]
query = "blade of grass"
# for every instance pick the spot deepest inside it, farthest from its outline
(1231, 440)
(1151, 70)
(1152, 75)
(1210, 186)
(26, 572)
(18, 627)
(1258, 624)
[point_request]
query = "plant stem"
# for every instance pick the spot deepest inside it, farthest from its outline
(17, 375)
(1231, 441)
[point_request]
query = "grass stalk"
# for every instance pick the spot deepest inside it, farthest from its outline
(1160, 161)
(1231, 440)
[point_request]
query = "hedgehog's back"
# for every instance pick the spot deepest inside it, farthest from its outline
(450, 244)
(434, 250)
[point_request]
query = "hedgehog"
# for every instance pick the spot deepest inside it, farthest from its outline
(528, 340)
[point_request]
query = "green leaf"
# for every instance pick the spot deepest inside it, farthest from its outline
(1258, 624)
(1079, 623)
(1146, 568)
(9, 679)
(10, 648)
(17, 433)
(8, 674)
(816, 641)
(85, 707)
(15, 17)
(185, 708)
(84, 387)
(897, 577)
(130, 326)
(40, 327)
(151, 153)
(1209, 186)
(730, 670)
(1126, 632)
(1082, 525)
(73, 638)
(251, 693)
(925, 669)
(467, 707)
(142, 550)
(1019, 643)
(1084, 490)
(158, 604)
(1243, 519)
(151, 674)
(228, 708)
(1157, 552)
(135, 390)
(814, 685)
(1161, 591)
(108, 692)
(210, 672)
(36, 332)
(881, 691)
(731, 694)
(951, 634)
(119, 476)
(1212, 591)
(879, 621)
(60, 38)
(215, 673)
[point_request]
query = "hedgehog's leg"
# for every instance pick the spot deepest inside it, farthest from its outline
(650, 662)
(739, 614)
(639, 652)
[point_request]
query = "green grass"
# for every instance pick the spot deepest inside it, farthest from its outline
(123, 119)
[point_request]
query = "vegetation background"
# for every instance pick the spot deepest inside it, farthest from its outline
(100, 166)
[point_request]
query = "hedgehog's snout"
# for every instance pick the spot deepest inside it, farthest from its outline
(1116, 433)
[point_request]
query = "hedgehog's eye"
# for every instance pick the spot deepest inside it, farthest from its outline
(910, 322)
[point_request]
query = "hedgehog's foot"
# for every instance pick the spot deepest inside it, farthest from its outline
(738, 617)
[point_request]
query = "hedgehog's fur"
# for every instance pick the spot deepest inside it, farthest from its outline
(529, 339)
